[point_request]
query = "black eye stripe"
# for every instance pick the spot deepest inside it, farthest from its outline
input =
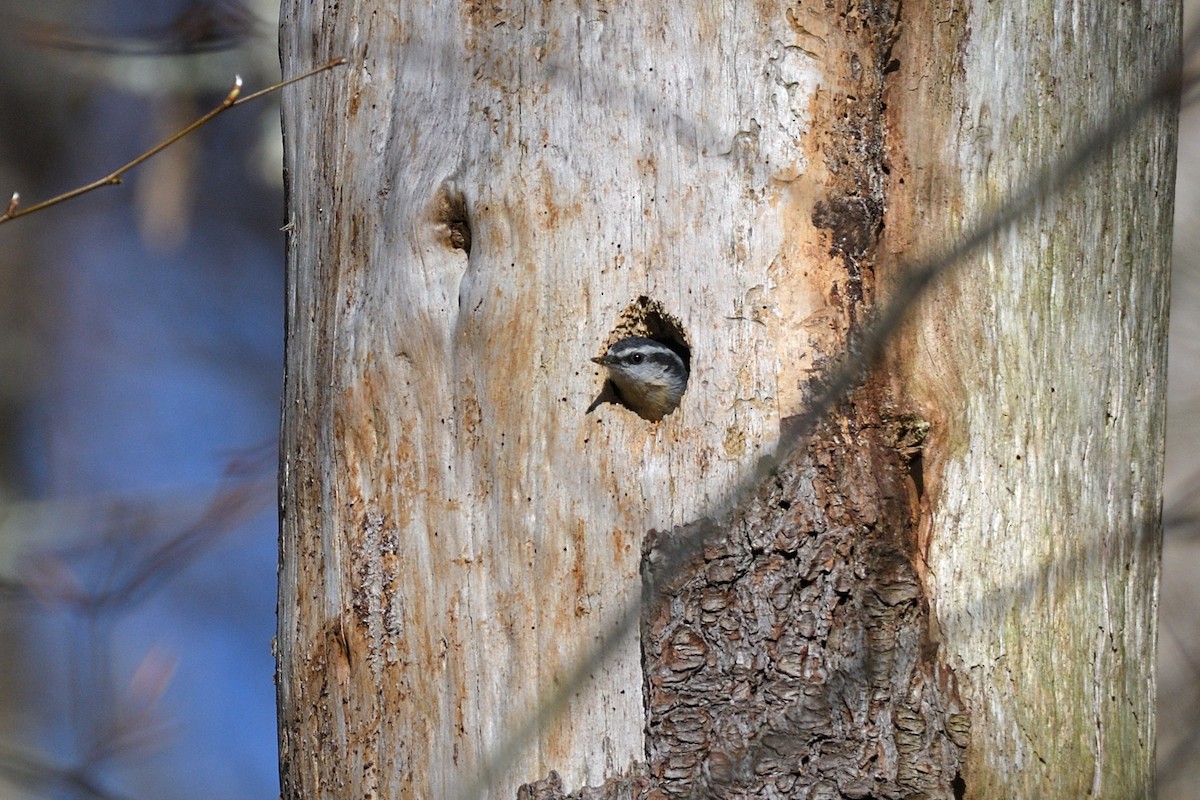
(665, 358)
(637, 352)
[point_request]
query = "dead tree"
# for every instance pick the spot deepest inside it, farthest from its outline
(947, 590)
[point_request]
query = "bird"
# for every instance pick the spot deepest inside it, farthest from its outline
(644, 375)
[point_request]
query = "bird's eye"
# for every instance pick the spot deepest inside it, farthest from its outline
(636, 358)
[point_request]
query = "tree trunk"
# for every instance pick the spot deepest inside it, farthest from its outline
(1041, 366)
(488, 196)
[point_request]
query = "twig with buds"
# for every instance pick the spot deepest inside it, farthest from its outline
(113, 178)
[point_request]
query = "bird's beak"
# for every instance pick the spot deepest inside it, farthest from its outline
(602, 361)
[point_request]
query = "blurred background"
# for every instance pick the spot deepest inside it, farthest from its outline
(141, 356)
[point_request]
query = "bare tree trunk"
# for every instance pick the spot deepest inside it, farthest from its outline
(1042, 368)
(489, 195)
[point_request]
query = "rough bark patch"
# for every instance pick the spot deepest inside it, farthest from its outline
(793, 656)
(619, 788)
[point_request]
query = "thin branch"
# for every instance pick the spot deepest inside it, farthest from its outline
(114, 177)
(328, 65)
